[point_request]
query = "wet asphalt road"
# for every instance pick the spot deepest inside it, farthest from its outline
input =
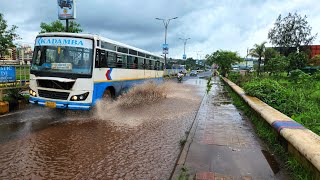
(136, 143)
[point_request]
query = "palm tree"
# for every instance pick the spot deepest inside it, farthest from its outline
(258, 52)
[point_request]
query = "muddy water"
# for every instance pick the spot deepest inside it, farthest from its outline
(117, 141)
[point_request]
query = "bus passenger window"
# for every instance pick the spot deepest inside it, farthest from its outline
(119, 61)
(111, 61)
(150, 65)
(140, 63)
(97, 65)
(135, 63)
(103, 59)
(145, 64)
(129, 62)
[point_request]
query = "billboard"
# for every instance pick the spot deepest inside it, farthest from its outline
(7, 74)
(66, 9)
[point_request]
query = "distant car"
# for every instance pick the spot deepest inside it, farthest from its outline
(193, 73)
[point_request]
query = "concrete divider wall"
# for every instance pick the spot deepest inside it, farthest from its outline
(304, 141)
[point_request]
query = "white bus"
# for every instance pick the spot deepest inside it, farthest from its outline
(73, 71)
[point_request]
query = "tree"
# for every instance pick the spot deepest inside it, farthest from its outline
(57, 26)
(269, 54)
(258, 51)
(277, 65)
(297, 61)
(224, 59)
(291, 31)
(6, 36)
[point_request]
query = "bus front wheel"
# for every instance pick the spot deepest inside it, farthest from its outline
(107, 96)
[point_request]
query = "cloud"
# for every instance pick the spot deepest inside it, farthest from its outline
(230, 24)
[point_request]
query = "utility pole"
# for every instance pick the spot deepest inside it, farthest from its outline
(165, 23)
(67, 25)
(184, 46)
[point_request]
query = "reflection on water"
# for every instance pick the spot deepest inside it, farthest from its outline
(141, 142)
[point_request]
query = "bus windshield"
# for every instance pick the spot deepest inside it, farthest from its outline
(63, 55)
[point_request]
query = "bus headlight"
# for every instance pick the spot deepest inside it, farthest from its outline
(32, 93)
(80, 97)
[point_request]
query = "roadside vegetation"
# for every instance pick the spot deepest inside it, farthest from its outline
(286, 77)
(296, 95)
(270, 137)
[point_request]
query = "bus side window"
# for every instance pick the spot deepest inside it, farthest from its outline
(119, 61)
(140, 63)
(129, 62)
(111, 59)
(124, 61)
(157, 65)
(150, 65)
(135, 63)
(98, 54)
(103, 59)
(145, 64)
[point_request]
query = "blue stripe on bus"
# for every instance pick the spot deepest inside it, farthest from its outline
(100, 87)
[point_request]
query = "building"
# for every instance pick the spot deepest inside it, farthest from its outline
(247, 63)
(11, 55)
(22, 53)
(25, 53)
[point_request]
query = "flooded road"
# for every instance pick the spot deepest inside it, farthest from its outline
(120, 142)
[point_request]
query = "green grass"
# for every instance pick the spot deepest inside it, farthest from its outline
(184, 175)
(269, 136)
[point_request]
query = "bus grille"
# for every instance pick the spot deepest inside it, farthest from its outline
(55, 84)
(53, 94)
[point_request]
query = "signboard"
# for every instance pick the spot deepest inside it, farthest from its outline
(64, 41)
(61, 66)
(165, 49)
(184, 56)
(66, 9)
(7, 74)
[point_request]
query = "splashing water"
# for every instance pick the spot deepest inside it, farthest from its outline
(142, 102)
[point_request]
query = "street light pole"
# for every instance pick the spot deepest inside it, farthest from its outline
(165, 23)
(184, 43)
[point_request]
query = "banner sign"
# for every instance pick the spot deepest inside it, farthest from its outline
(7, 74)
(64, 41)
(66, 9)
(165, 49)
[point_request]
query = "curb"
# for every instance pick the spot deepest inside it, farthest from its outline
(301, 142)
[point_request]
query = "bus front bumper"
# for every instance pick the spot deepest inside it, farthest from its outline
(60, 104)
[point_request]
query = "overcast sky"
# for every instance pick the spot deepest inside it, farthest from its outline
(211, 24)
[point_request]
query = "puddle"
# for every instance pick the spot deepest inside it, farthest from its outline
(134, 137)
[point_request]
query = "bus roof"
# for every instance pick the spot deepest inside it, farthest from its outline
(96, 37)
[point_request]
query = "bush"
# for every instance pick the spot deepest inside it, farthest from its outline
(234, 76)
(267, 90)
(299, 77)
(316, 76)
